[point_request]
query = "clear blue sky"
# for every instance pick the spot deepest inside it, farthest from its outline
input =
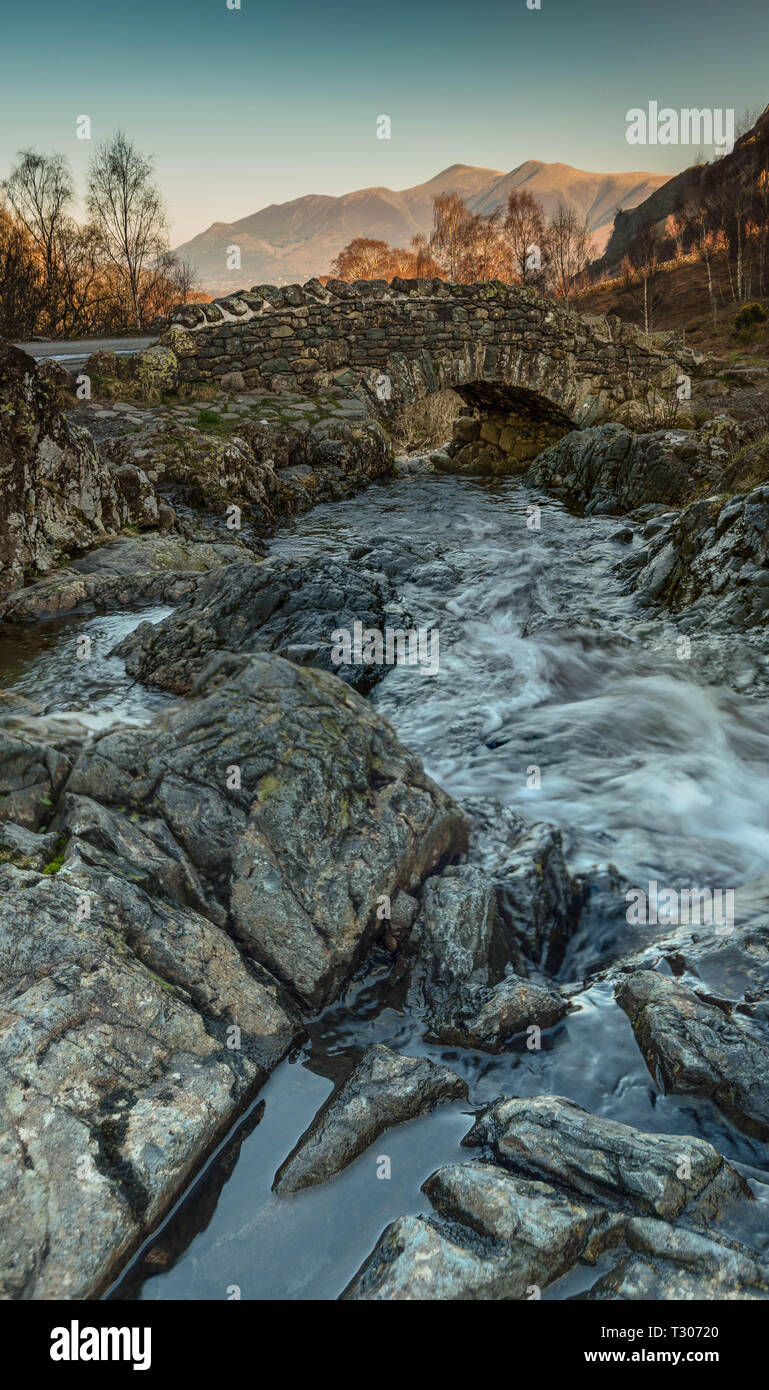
(246, 107)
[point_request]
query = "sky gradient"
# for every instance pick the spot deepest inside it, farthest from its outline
(247, 107)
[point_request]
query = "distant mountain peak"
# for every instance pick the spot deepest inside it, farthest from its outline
(291, 241)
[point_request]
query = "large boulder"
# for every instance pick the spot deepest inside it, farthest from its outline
(710, 563)
(552, 1139)
(55, 496)
(504, 1238)
(286, 607)
(557, 1188)
(609, 469)
(296, 804)
(114, 1080)
(268, 470)
(197, 885)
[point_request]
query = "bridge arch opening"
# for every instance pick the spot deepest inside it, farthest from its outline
(502, 428)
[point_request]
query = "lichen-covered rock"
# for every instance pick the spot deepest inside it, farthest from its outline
(179, 341)
(504, 1235)
(296, 804)
(126, 571)
(55, 495)
(669, 1262)
(415, 1261)
(698, 1045)
(156, 370)
(382, 1090)
(113, 1086)
(258, 821)
(36, 756)
(458, 933)
(505, 1238)
(270, 471)
(203, 470)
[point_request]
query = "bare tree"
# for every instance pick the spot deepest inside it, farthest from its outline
(22, 292)
(525, 231)
(363, 258)
(704, 240)
(184, 278)
(126, 208)
(762, 187)
(487, 256)
(424, 265)
(569, 248)
(40, 190)
(718, 207)
(450, 237)
(644, 258)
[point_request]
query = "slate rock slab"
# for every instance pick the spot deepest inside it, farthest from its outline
(383, 1090)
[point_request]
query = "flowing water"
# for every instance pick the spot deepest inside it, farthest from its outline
(649, 756)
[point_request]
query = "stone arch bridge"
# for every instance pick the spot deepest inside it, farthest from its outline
(507, 353)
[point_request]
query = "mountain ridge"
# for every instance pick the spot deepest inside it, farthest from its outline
(291, 241)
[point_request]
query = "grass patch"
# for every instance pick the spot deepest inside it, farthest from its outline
(211, 422)
(749, 467)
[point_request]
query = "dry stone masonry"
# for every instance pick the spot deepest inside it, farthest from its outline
(507, 353)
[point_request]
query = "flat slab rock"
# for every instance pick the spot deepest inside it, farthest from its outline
(383, 1090)
(550, 1137)
(699, 1045)
(151, 568)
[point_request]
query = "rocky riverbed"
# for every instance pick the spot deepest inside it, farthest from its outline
(320, 980)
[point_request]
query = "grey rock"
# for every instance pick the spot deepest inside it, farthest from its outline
(551, 1138)
(36, 756)
(699, 1045)
(414, 1261)
(503, 1235)
(113, 1087)
(131, 570)
(609, 469)
(539, 901)
(56, 496)
(458, 931)
(383, 1090)
(672, 1263)
(330, 812)
(486, 1018)
(712, 563)
(293, 609)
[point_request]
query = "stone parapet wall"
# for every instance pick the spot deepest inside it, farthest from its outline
(497, 345)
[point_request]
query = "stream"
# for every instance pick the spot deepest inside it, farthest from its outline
(648, 762)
